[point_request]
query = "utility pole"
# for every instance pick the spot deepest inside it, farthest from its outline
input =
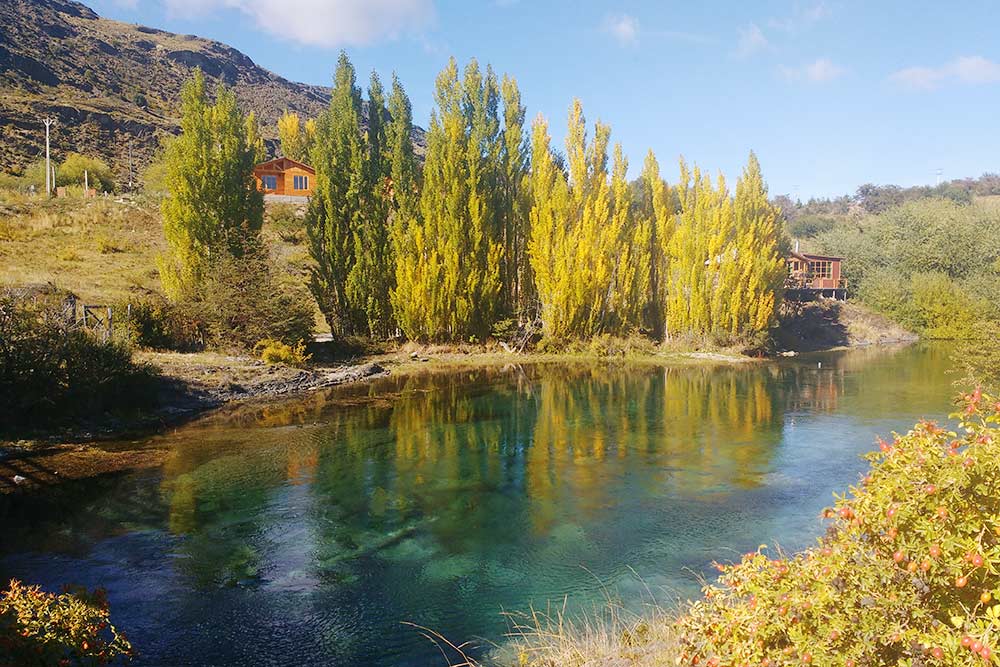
(48, 170)
(938, 173)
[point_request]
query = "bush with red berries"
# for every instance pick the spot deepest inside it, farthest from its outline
(73, 628)
(908, 572)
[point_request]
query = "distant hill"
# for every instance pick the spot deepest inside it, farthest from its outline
(115, 85)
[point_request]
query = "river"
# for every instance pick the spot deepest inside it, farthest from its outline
(308, 532)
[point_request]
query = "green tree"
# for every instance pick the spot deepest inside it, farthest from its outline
(214, 208)
(448, 284)
(98, 173)
(336, 208)
(370, 279)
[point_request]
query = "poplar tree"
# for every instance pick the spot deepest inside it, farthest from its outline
(760, 268)
(214, 210)
(655, 211)
(550, 238)
(449, 260)
(255, 141)
(631, 269)
(514, 203)
(370, 280)
(724, 268)
(336, 208)
(296, 139)
(404, 172)
(590, 258)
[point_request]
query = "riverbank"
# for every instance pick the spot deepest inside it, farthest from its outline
(194, 384)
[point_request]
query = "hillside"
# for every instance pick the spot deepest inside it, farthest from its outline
(115, 85)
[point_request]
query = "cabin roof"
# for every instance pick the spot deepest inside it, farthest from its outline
(284, 163)
(806, 256)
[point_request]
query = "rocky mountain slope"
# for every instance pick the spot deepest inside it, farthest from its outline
(114, 87)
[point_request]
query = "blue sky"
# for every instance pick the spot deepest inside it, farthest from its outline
(829, 94)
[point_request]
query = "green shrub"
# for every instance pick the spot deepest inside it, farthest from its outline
(908, 573)
(242, 301)
(39, 628)
(941, 309)
(977, 357)
(107, 246)
(276, 352)
(52, 373)
(156, 324)
(98, 174)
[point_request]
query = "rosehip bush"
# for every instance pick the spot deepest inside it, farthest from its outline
(908, 572)
(39, 628)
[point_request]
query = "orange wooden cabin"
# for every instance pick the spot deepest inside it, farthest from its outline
(285, 176)
(811, 275)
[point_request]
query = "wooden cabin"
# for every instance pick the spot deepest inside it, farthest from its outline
(810, 276)
(285, 176)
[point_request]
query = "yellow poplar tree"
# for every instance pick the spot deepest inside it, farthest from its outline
(590, 258)
(656, 211)
(448, 259)
(296, 139)
(213, 210)
(760, 269)
(724, 269)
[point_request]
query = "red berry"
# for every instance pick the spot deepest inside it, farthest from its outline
(985, 653)
(960, 582)
(937, 652)
(899, 556)
(935, 551)
(977, 560)
(966, 641)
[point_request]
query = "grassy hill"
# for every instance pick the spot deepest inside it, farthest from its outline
(113, 86)
(105, 250)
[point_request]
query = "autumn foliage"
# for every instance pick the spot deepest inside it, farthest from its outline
(72, 628)
(907, 574)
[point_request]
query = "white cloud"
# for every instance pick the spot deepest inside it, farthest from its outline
(818, 71)
(966, 69)
(328, 23)
(624, 28)
(801, 18)
(752, 40)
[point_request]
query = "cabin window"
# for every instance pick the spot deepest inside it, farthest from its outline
(821, 269)
(300, 182)
(270, 182)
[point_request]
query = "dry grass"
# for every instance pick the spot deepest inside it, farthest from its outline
(610, 637)
(105, 250)
(606, 635)
(100, 249)
(865, 327)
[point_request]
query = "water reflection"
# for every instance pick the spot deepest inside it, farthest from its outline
(440, 498)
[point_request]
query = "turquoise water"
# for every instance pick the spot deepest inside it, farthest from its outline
(308, 532)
